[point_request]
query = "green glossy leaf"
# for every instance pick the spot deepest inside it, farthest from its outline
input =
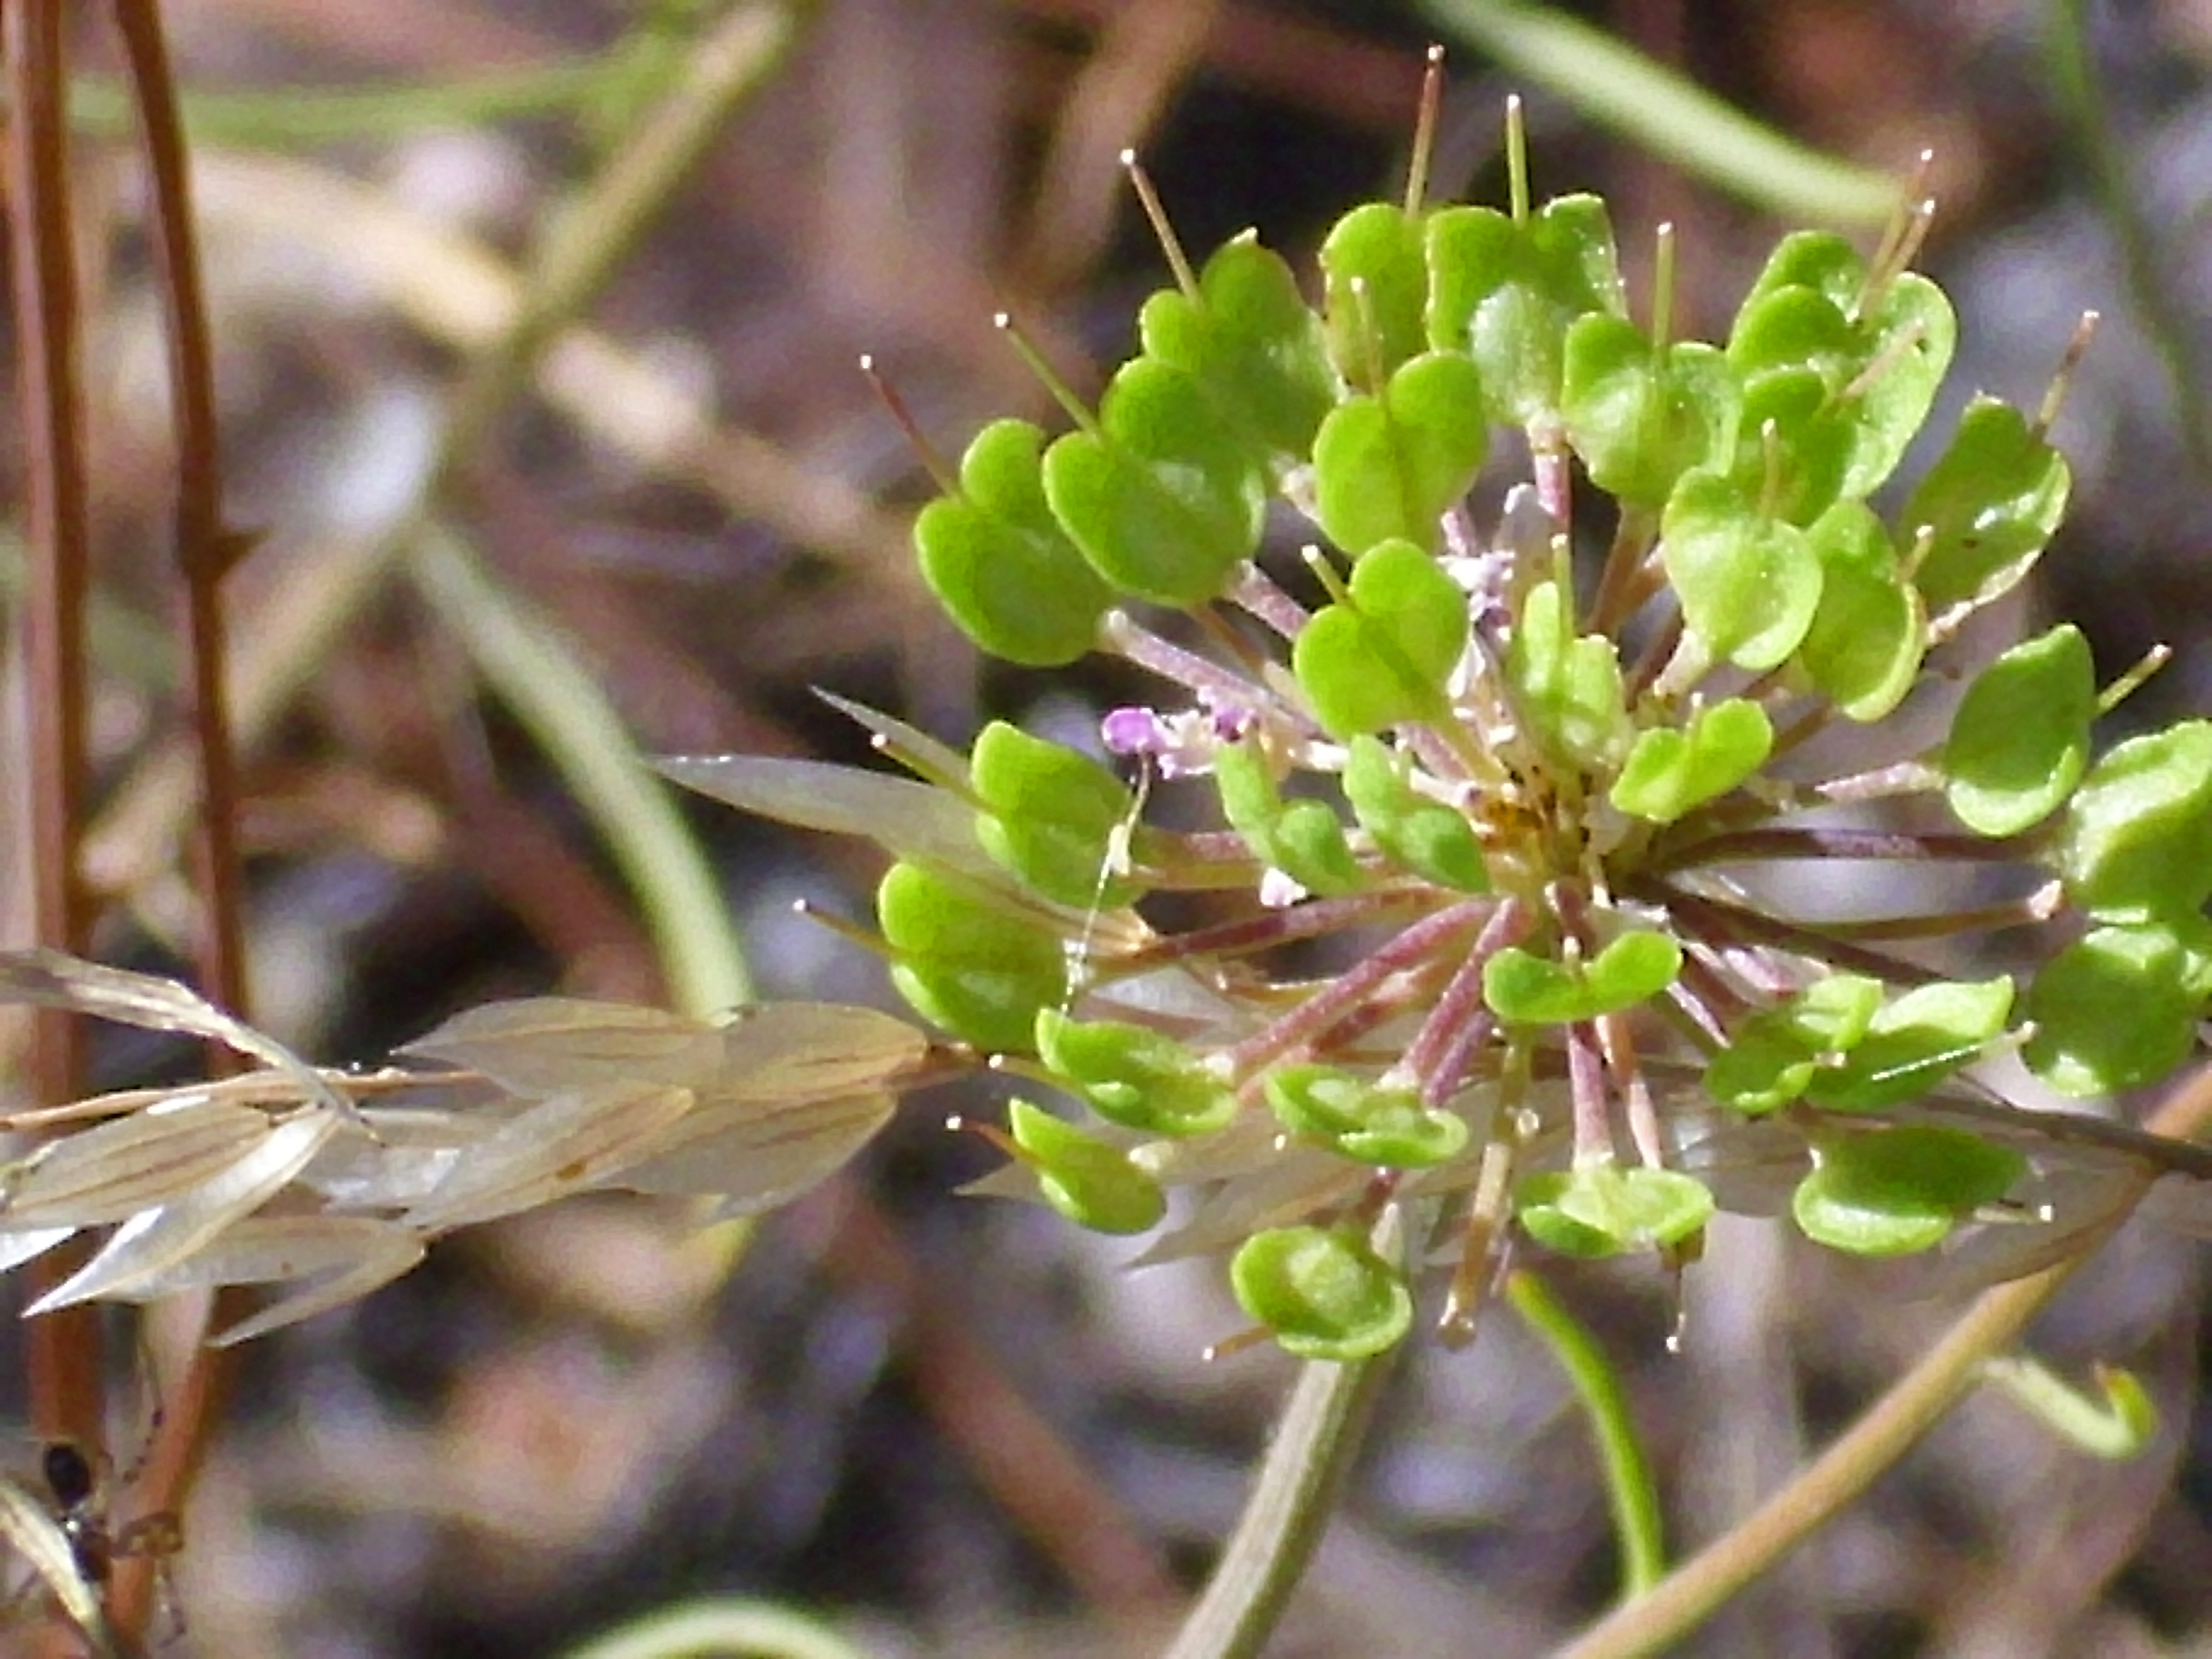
(1386, 465)
(1381, 658)
(1671, 769)
(1324, 1293)
(2020, 739)
(1606, 1209)
(1134, 1076)
(1869, 631)
(1748, 583)
(2136, 841)
(1387, 1128)
(1639, 418)
(1989, 504)
(1425, 836)
(1898, 1190)
(1053, 816)
(2114, 1010)
(1165, 500)
(1506, 293)
(1378, 248)
(1913, 1043)
(1250, 340)
(998, 561)
(1092, 1184)
(1566, 689)
(1528, 988)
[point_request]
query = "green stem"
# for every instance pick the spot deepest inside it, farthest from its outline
(1315, 1439)
(539, 674)
(1615, 86)
(304, 116)
(1700, 1586)
(1322, 1426)
(718, 1630)
(1630, 1489)
(2082, 103)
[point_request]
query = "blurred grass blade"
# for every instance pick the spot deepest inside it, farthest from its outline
(1616, 87)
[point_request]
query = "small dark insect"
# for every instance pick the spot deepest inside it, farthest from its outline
(94, 1542)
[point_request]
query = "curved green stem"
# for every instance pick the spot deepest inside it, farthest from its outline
(1617, 87)
(718, 1630)
(1319, 1433)
(1700, 1586)
(540, 677)
(1629, 1490)
(1321, 1429)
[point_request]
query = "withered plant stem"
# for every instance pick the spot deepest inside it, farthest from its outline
(205, 550)
(62, 1351)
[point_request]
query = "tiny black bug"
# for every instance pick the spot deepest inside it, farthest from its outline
(94, 1541)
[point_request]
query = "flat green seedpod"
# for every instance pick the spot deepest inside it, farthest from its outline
(1092, 1184)
(1566, 688)
(1749, 584)
(1795, 443)
(1053, 816)
(998, 561)
(1250, 340)
(1638, 417)
(1358, 1119)
(1902, 1189)
(1375, 282)
(1910, 339)
(2019, 739)
(1505, 292)
(1913, 1043)
(1134, 1076)
(1381, 656)
(1989, 506)
(1671, 769)
(1388, 464)
(1869, 631)
(1164, 499)
(1303, 839)
(1323, 1293)
(1425, 836)
(974, 969)
(1530, 989)
(1604, 1210)
(2136, 841)
(1772, 1057)
(1879, 356)
(2117, 1009)
(1820, 260)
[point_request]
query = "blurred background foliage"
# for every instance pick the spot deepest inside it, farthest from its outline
(951, 1426)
